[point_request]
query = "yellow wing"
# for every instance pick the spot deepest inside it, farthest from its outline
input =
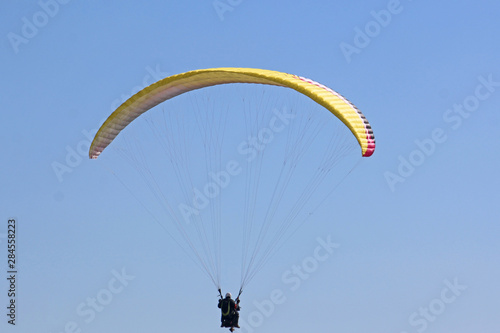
(178, 84)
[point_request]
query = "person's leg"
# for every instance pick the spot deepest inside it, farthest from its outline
(236, 319)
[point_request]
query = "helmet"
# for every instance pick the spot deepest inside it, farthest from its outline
(228, 295)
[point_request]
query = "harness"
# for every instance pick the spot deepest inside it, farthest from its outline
(225, 313)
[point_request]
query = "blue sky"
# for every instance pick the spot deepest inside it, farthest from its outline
(416, 224)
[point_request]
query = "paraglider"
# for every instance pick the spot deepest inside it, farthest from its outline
(229, 311)
(253, 259)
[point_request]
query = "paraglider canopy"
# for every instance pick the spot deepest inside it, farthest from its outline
(178, 84)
